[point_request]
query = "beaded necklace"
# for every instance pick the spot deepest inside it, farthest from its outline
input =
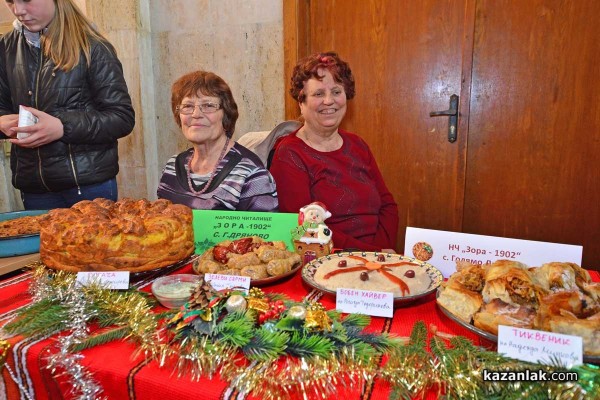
(212, 174)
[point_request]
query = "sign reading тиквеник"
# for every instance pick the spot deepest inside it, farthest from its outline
(540, 346)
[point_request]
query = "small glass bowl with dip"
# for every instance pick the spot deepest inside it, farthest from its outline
(173, 291)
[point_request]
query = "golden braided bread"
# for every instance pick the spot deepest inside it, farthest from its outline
(127, 235)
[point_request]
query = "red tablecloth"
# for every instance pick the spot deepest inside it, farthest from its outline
(124, 377)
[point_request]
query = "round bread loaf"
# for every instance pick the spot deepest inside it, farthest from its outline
(127, 235)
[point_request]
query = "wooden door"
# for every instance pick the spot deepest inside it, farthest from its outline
(524, 165)
(407, 60)
(534, 137)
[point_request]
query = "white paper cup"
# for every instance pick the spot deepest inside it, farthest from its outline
(26, 118)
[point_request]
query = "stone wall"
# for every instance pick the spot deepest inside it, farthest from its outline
(158, 41)
(9, 198)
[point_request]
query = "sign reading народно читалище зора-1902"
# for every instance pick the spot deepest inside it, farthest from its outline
(214, 226)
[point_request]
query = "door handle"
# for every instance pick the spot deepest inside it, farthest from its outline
(452, 113)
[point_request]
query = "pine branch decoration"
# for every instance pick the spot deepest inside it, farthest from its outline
(107, 336)
(39, 321)
(381, 342)
(409, 369)
(266, 345)
(341, 333)
(418, 335)
(236, 329)
(360, 321)
(310, 346)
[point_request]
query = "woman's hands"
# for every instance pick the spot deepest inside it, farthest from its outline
(7, 122)
(46, 130)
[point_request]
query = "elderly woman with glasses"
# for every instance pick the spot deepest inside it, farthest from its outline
(215, 173)
(321, 162)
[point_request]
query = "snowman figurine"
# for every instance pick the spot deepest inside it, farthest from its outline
(312, 237)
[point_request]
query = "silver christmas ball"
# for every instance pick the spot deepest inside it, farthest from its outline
(235, 303)
(298, 312)
(269, 326)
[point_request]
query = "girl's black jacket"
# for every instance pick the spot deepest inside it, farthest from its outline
(92, 102)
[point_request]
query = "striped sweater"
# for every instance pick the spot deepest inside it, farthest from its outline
(248, 187)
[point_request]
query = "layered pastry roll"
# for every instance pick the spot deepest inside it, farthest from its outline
(471, 276)
(498, 265)
(588, 328)
(581, 275)
(555, 276)
(459, 300)
(510, 282)
(554, 303)
(592, 289)
(497, 312)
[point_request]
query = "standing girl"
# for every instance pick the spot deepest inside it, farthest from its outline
(62, 70)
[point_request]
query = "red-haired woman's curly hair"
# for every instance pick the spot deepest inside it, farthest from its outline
(308, 68)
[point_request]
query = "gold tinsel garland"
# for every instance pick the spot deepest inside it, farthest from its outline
(453, 368)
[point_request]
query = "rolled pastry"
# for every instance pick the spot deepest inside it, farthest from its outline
(554, 303)
(206, 266)
(258, 271)
(555, 276)
(588, 329)
(593, 290)
(279, 267)
(237, 261)
(497, 312)
(268, 253)
(511, 284)
(460, 301)
(471, 277)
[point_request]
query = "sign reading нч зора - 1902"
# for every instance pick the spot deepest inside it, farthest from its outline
(443, 249)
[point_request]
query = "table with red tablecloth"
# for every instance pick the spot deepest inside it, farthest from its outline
(123, 376)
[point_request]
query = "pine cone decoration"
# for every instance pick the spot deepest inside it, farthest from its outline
(202, 295)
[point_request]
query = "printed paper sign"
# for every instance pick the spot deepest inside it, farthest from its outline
(377, 304)
(213, 226)
(539, 346)
(443, 249)
(111, 279)
(220, 282)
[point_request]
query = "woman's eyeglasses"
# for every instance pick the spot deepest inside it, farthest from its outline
(206, 108)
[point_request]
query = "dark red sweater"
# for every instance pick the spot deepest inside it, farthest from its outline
(347, 181)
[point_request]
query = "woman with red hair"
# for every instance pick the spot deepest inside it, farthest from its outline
(320, 162)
